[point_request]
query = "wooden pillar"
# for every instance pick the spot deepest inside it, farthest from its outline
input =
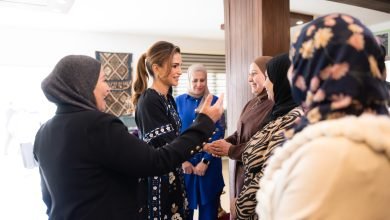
(252, 28)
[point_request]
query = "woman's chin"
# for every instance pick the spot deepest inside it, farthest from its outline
(102, 107)
(175, 83)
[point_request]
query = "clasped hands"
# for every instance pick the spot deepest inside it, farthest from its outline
(218, 148)
(200, 169)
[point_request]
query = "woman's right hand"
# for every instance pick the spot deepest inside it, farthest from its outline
(213, 111)
(220, 148)
(187, 167)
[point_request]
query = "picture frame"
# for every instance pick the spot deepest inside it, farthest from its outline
(384, 39)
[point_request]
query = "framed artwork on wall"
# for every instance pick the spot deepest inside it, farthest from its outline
(117, 67)
(384, 38)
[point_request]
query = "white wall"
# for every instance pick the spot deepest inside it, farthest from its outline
(34, 47)
(384, 26)
(28, 55)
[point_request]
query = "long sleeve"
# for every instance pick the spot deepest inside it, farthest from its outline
(125, 153)
(219, 129)
(232, 138)
(219, 134)
(186, 106)
(235, 151)
(96, 163)
(45, 193)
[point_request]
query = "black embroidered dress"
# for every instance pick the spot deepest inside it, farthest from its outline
(158, 123)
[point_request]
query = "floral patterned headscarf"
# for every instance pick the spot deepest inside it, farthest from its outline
(337, 69)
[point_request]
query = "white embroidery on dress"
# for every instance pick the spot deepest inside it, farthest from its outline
(157, 132)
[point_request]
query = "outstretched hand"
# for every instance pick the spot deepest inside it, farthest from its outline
(213, 111)
(220, 147)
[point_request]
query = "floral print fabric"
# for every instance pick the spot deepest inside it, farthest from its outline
(337, 69)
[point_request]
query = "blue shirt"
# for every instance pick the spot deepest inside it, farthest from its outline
(201, 189)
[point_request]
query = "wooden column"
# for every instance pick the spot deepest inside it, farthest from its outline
(252, 28)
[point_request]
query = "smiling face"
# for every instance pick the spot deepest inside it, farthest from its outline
(269, 86)
(101, 91)
(256, 79)
(198, 82)
(172, 78)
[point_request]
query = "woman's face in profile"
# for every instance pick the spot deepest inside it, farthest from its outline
(290, 74)
(269, 86)
(198, 82)
(101, 91)
(256, 79)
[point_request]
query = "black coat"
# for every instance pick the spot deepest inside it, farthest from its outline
(90, 164)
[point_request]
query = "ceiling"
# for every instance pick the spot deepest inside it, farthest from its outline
(380, 5)
(179, 18)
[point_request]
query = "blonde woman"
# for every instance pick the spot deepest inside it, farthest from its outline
(203, 172)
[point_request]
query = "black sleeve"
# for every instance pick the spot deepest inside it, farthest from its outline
(120, 151)
(45, 193)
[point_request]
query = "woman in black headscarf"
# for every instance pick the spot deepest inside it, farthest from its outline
(88, 161)
(259, 148)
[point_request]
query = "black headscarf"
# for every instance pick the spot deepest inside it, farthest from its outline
(277, 69)
(73, 81)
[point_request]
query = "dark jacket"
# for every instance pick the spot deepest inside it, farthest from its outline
(90, 164)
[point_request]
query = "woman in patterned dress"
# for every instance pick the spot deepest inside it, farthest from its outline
(159, 123)
(260, 147)
(337, 164)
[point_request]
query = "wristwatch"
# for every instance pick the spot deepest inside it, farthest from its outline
(205, 161)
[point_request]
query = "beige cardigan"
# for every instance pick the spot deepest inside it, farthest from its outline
(335, 169)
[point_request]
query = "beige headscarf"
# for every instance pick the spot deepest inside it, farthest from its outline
(261, 62)
(192, 69)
